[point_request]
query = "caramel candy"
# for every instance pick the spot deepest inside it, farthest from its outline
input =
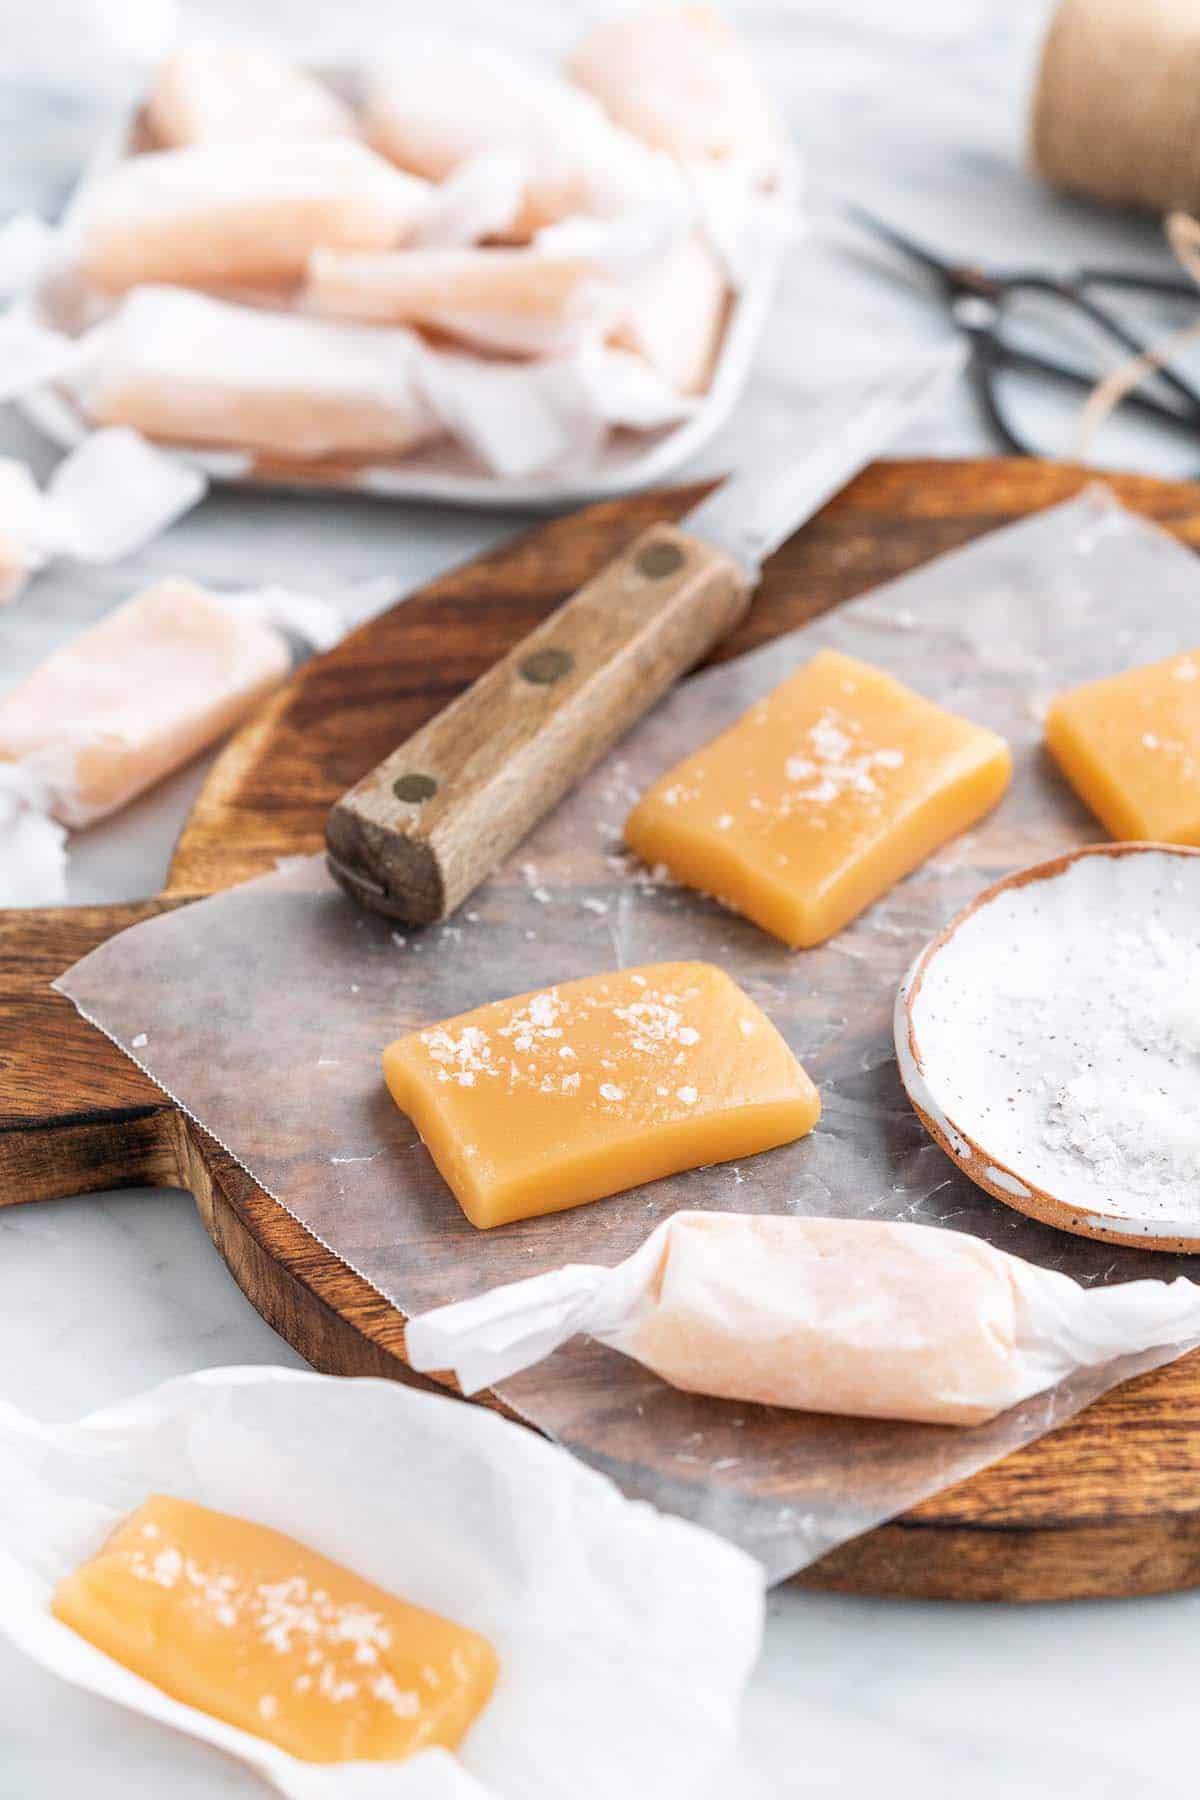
(210, 93)
(1130, 747)
(852, 1316)
(820, 798)
(520, 302)
(674, 313)
(432, 104)
(255, 1629)
(195, 370)
(113, 711)
(214, 214)
(552, 1099)
(680, 79)
(866, 1317)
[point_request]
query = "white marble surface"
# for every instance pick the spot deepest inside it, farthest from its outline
(917, 110)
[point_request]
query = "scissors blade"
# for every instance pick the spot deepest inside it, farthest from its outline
(899, 240)
(757, 509)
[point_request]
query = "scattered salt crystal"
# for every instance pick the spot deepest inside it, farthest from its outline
(140, 1041)
(610, 1091)
(688, 1095)
(829, 765)
(599, 907)
(399, 940)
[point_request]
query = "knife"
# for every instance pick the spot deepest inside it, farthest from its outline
(418, 834)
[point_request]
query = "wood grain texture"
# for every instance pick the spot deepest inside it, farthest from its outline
(419, 833)
(1109, 1504)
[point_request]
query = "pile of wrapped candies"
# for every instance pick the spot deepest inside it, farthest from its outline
(461, 247)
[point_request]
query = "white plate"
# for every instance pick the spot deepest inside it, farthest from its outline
(629, 461)
(1049, 1040)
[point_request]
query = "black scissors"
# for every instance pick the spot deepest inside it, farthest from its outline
(978, 299)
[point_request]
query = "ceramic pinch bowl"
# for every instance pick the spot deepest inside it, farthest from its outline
(1049, 1041)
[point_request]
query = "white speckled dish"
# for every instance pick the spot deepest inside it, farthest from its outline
(1049, 1040)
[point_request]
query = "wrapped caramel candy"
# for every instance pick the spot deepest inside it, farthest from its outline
(433, 102)
(213, 93)
(196, 370)
(216, 213)
(879, 1320)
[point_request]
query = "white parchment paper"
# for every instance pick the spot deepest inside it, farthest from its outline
(264, 1011)
(625, 1637)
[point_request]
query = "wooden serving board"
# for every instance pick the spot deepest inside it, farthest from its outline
(1108, 1505)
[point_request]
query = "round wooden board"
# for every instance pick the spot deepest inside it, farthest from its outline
(1108, 1505)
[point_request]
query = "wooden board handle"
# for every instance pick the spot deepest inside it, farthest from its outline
(423, 829)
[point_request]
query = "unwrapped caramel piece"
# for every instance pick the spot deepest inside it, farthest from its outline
(114, 710)
(255, 1629)
(244, 214)
(1130, 747)
(555, 1098)
(820, 798)
(212, 93)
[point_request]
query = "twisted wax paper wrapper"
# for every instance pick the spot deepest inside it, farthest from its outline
(625, 1637)
(852, 1316)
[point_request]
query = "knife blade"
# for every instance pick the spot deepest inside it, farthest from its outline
(757, 510)
(419, 833)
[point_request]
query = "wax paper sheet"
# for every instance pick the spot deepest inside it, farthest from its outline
(263, 1011)
(625, 1638)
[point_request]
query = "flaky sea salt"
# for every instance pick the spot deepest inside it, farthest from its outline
(832, 763)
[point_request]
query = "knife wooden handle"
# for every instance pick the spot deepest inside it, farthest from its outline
(420, 832)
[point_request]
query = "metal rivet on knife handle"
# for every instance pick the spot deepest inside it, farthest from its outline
(659, 559)
(507, 749)
(545, 667)
(414, 788)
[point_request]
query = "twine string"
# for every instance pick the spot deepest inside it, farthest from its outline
(1183, 235)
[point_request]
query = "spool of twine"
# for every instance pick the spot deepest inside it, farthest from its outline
(1116, 104)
